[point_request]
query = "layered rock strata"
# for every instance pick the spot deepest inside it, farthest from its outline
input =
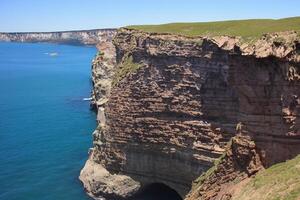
(85, 37)
(168, 120)
(240, 161)
(97, 180)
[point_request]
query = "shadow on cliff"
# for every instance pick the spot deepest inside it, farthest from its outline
(157, 191)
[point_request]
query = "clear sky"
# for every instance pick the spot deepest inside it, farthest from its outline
(54, 15)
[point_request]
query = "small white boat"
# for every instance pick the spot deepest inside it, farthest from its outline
(87, 99)
(53, 54)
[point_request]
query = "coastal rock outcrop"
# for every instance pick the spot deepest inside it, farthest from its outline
(172, 104)
(99, 182)
(103, 68)
(84, 37)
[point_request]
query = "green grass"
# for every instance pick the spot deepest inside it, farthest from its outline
(200, 180)
(248, 29)
(126, 67)
(281, 181)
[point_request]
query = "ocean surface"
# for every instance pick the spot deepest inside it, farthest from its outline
(45, 126)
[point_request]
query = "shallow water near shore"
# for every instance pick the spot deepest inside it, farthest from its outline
(45, 126)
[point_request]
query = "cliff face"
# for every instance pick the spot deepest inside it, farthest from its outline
(169, 104)
(89, 37)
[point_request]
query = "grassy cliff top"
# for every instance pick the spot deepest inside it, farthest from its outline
(281, 181)
(252, 28)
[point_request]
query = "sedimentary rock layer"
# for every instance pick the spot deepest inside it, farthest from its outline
(85, 37)
(240, 161)
(170, 118)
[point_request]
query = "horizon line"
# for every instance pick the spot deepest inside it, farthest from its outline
(110, 29)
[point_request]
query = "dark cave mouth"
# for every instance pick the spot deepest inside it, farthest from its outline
(157, 191)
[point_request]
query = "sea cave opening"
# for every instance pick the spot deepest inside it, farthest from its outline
(157, 191)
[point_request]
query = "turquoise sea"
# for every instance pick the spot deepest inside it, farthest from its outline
(45, 126)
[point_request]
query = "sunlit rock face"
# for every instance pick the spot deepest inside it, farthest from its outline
(169, 120)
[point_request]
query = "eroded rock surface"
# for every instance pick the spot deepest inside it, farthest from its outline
(240, 161)
(103, 67)
(100, 183)
(169, 119)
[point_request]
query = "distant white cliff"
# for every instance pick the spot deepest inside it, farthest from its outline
(83, 37)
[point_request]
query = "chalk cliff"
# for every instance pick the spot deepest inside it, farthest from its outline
(84, 37)
(172, 108)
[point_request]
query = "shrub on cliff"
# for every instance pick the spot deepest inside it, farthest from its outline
(126, 67)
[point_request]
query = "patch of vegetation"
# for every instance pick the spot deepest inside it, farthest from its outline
(247, 29)
(281, 181)
(99, 56)
(126, 67)
(200, 42)
(279, 41)
(200, 180)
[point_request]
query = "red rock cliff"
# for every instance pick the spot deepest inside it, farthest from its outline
(168, 117)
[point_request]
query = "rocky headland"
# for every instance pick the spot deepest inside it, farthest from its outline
(83, 37)
(201, 115)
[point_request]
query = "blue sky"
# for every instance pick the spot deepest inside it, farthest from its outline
(54, 15)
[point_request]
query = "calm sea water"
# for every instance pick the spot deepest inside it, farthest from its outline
(45, 127)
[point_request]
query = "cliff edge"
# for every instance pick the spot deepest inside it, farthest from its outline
(172, 108)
